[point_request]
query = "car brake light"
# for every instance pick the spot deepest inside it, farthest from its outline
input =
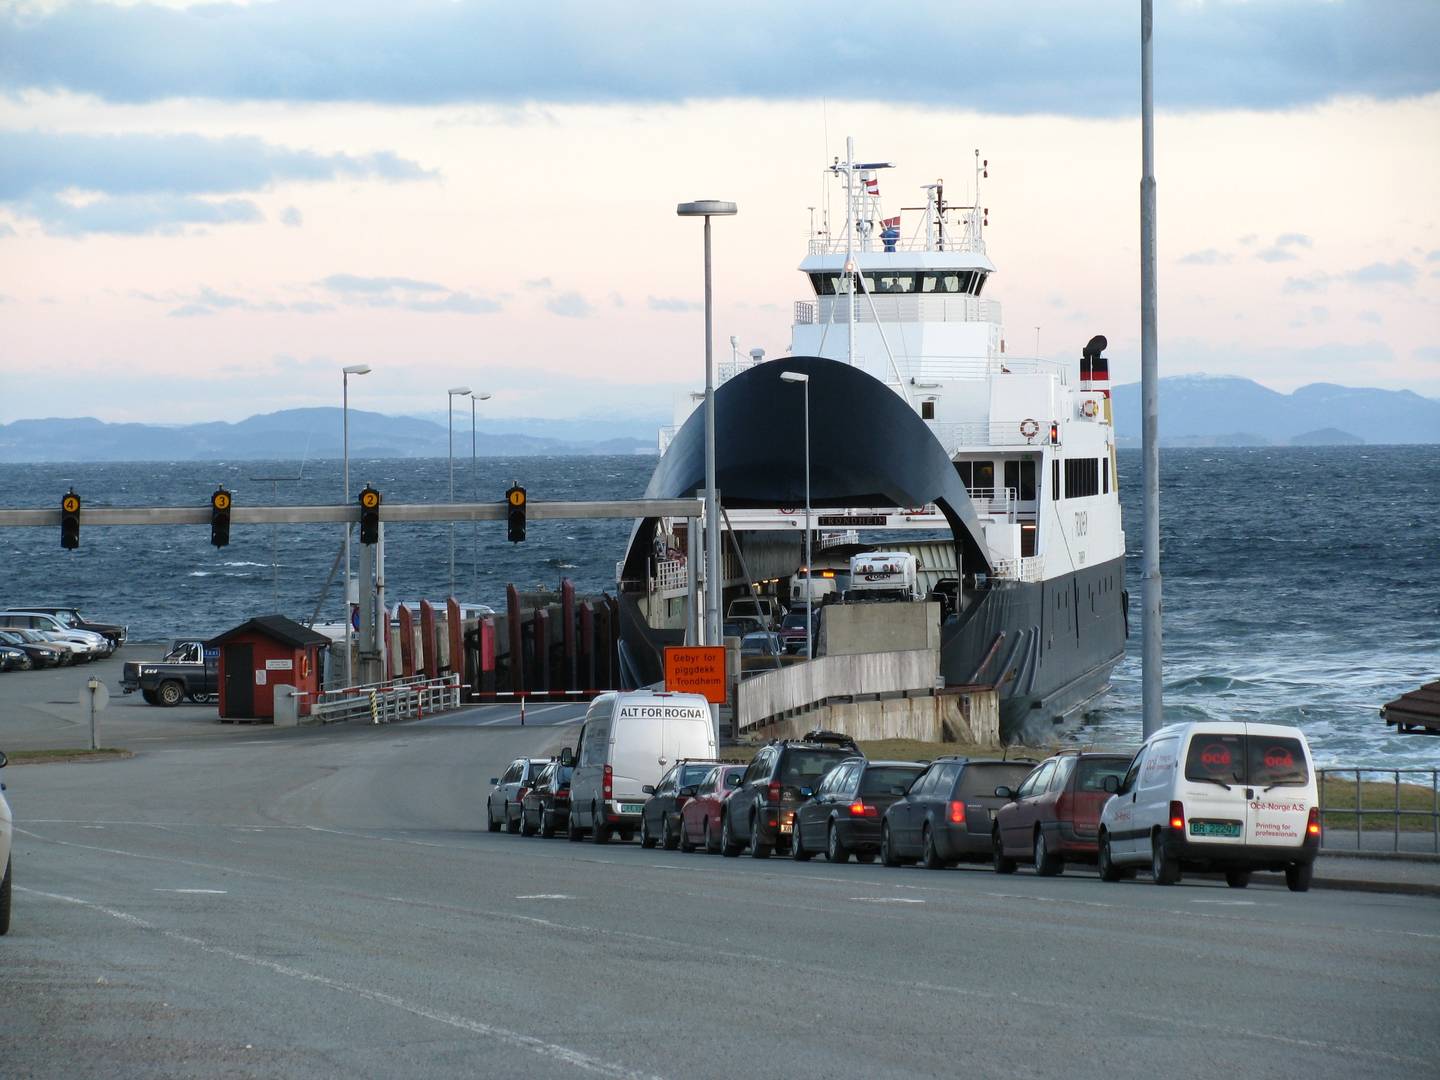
(1177, 816)
(957, 813)
(773, 793)
(520, 795)
(860, 808)
(1312, 827)
(609, 782)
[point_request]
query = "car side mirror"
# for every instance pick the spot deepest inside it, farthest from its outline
(1111, 784)
(494, 780)
(689, 792)
(806, 792)
(1003, 792)
(567, 756)
(648, 789)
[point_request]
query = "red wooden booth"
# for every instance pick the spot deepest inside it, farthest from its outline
(258, 655)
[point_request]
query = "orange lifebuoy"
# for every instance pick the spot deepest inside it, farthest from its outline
(1029, 427)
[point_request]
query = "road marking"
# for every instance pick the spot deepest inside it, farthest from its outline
(886, 900)
(545, 896)
(201, 892)
(566, 1054)
(1227, 903)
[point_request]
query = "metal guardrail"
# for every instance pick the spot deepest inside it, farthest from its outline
(1409, 822)
(384, 703)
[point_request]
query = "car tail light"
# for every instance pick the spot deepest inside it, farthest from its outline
(609, 782)
(561, 796)
(1312, 827)
(1177, 816)
(860, 808)
(773, 793)
(520, 795)
(957, 812)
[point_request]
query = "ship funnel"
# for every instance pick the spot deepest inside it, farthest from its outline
(1094, 367)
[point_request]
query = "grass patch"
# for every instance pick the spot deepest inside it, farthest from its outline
(50, 757)
(1339, 797)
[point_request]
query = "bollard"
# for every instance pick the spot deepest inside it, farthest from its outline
(374, 709)
(522, 710)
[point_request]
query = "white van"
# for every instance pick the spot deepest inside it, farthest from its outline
(884, 575)
(629, 740)
(1210, 796)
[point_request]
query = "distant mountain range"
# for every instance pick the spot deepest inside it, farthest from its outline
(317, 434)
(1209, 410)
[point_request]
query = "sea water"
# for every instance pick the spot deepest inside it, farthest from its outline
(1301, 585)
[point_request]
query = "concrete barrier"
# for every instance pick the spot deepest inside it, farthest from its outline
(971, 715)
(854, 629)
(802, 686)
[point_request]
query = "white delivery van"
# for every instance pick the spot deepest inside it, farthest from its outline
(629, 740)
(1215, 796)
(821, 587)
(884, 575)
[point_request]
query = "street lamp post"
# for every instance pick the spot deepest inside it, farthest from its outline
(804, 380)
(454, 392)
(478, 395)
(708, 208)
(345, 373)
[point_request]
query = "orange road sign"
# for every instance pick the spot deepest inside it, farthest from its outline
(696, 669)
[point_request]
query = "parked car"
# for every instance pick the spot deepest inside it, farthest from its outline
(760, 814)
(93, 644)
(843, 816)
(792, 630)
(72, 618)
(700, 817)
(546, 806)
(6, 827)
(765, 608)
(947, 815)
(660, 820)
(13, 659)
(1054, 815)
(763, 644)
(1215, 796)
(189, 669)
(627, 741)
(743, 625)
(507, 792)
(43, 651)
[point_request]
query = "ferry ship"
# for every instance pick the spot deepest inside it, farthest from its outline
(1034, 577)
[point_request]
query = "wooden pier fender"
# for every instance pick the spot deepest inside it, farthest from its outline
(612, 642)
(517, 642)
(567, 623)
(407, 642)
(587, 647)
(485, 668)
(455, 634)
(429, 659)
(542, 649)
(387, 645)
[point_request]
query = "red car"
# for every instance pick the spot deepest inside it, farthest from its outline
(1054, 816)
(700, 818)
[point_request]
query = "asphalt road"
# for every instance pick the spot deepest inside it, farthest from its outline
(327, 903)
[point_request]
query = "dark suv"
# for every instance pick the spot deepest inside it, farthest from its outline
(948, 814)
(784, 773)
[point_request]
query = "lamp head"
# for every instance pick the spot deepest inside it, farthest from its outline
(357, 369)
(459, 391)
(706, 208)
(481, 395)
(794, 377)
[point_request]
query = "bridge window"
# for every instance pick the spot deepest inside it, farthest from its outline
(927, 409)
(976, 474)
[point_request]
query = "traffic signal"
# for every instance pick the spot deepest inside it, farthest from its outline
(515, 531)
(70, 521)
(369, 516)
(220, 517)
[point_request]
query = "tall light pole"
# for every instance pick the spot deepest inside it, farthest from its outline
(804, 380)
(1151, 677)
(345, 373)
(708, 208)
(478, 395)
(454, 392)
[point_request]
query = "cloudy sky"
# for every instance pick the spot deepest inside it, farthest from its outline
(207, 210)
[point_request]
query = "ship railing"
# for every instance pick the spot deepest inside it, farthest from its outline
(1380, 810)
(899, 307)
(1025, 568)
(837, 245)
(807, 313)
(956, 437)
(837, 539)
(995, 502)
(666, 437)
(670, 577)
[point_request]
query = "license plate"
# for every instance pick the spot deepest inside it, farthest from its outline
(1215, 828)
(786, 827)
(632, 807)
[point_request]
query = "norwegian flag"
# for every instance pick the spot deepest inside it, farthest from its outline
(872, 185)
(890, 222)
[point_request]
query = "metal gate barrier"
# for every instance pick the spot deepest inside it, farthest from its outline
(386, 702)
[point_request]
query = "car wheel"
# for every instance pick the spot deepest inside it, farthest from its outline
(670, 837)
(599, 831)
(711, 845)
(1237, 879)
(1046, 864)
(490, 822)
(999, 860)
(526, 829)
(798, 851)
(682, 837)
(758, 849)
(5, 900)
(887, 849)
(1297, 877)
(728, 846)
(572, 828)
(1104, 863)
(547, 823)
(646, 840)
(835, 851)
(170, 694)
(512, 825)
(149, 696)
(1164, 869)
(930, 857)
